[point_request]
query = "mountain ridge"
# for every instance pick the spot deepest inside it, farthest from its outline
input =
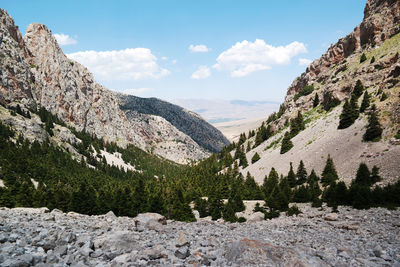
(37, 73)
(369, 54)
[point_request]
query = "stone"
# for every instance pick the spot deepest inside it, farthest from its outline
(155, 253)
(154, 225)
(182, 240)
(331, 217)
(85, 251)
(256, 217)
(182, 252)
(61, 250)
(110, 215)
(122, 259)
(144, 218)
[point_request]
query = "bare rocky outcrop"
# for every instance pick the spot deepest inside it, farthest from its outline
(36, 73)
(16, 80)
(381, 21)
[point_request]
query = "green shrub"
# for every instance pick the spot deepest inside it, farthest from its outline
(271, 214)
(305, 91)
(255, 158)
(384, 96)
(363, 58)
(241, 220)
(372, 60)
(316, 203)
(294, 210)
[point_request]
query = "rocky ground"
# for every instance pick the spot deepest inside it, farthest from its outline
(315, 238)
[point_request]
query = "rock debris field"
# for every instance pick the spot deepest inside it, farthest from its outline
(37, 237)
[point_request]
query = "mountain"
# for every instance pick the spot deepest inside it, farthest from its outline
(184, 120)
(368, 56)
(36, 73)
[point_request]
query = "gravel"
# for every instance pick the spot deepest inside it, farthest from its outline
(37, 237)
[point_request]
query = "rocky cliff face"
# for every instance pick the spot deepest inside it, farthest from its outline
(381, 22)
(16, 80)
(35, 72)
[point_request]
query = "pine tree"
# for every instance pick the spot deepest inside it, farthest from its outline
(243, 160)
(251, 189)
(355, 112)
(286, 143)
(201, 205)
(291, 176)
(316, 100)
(255, 158)
(363, 176)
(248, 147)
(358, 89)
(302, 195)
(277, 200)
(270, 182)
(374, 129)
(329, 173)
(181, 210)
(312, 178)
(349, 113)
(297, 124)
(215, 205)
(228, 212)
(242, 139)
(263, 134)
(285, 188)
(236, 199)
(365, 102)
(301, 174)
(341, 194)
(375, 177)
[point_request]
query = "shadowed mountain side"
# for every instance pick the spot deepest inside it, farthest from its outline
(186, 121)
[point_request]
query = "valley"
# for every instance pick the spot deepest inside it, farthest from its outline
(95, 177)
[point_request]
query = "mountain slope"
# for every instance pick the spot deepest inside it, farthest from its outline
(335, 74)
(186, 121)
(36, 73)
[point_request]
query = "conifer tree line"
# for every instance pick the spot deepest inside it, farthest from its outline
(168, 188)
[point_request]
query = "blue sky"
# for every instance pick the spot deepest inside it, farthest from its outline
(145, 44)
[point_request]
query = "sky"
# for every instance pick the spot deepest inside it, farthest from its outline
(175, 49)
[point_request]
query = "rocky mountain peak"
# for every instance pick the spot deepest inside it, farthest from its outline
(15, 78)
(36, 73)
(381, 22)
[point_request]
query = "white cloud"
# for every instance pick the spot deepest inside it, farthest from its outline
(64, 39)
(201, 73)
(174, 61)
(304, 61)
(164, 58)
(127, 64)
(136, 91)
(199, 48)
(246, 57)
